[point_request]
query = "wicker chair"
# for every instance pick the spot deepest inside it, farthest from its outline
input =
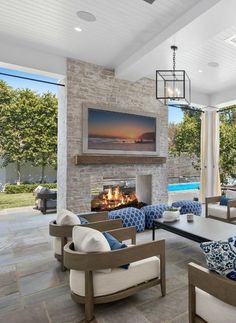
(145, 271)
(62, 233)
(212, 298)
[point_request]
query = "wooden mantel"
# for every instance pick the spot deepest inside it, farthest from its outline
(118, 160)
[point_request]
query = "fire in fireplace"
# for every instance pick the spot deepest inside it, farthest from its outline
(115, 197)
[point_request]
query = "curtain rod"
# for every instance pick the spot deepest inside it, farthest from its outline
(32, 79)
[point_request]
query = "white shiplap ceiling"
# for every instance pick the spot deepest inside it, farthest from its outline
(131, 36)
(121, 27)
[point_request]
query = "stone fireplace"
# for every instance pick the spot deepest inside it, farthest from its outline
(88, 83)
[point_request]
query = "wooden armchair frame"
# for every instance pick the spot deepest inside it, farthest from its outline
(215, 199)
(89, 262)
(222, 288)
(98, 221)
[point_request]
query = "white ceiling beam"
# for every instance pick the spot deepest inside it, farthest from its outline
(191, 29)
(14, 55)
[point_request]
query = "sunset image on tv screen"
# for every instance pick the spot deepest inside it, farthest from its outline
(109, 130)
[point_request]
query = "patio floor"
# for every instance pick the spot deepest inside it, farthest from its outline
(33, 289)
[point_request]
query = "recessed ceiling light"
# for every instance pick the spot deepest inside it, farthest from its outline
(87, 16)
(78, 29)
(231, 40)
(213, 64)
(200, 71)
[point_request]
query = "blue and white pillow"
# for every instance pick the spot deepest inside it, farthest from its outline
(221, 257)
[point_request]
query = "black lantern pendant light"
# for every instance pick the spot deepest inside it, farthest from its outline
(173, 86)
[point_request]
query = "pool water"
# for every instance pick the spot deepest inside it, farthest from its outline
(183, 186)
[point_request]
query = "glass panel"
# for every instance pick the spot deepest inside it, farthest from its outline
(184, 131)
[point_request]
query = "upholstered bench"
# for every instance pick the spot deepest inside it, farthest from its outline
(188, 206)
(153, 212)
(130, 217)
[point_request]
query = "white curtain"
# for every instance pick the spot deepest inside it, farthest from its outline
(210, 175)
(204, 156)
(216, 187)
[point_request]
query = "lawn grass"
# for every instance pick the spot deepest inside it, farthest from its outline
(16, 200)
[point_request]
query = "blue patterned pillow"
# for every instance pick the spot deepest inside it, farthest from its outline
(115, 244)
(221, 257)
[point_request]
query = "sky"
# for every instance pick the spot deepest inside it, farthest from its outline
(175, 114)
(116, 124)
(20, 83)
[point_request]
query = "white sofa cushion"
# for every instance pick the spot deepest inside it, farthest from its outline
(213, 310)
(118, 279)
(220, 211)
(90, 240)
(66, 217)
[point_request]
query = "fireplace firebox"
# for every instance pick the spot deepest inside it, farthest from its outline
(116, 194)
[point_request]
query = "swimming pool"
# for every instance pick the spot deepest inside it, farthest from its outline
(183, 186)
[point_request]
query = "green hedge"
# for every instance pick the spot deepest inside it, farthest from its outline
(25, 188)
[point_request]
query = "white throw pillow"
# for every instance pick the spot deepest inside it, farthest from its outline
(90, 240)
(65, 217)
(230, 194)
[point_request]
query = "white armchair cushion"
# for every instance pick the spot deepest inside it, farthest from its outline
(118, 279)
(213, 310)
(220, 211)
(66, 217)
(57, 245)
(90, 240)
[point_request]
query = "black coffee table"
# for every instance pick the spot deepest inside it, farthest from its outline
(200, 230)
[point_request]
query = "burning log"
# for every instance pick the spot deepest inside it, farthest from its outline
(114, 199)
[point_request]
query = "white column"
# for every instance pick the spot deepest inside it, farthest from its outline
(62, 148)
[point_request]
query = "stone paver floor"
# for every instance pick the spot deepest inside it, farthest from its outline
(34, 290)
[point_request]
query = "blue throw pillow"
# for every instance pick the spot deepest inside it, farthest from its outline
(115, 244)
(221, 257)
(224, 200)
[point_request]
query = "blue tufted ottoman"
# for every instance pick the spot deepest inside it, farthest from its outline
(153, 212)
(188, 206)
(130, 217)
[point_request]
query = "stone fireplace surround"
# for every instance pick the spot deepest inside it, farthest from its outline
(96, 84)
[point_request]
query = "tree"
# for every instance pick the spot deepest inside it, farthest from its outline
(43, 150)
(228, 144)
(15, 125)
(187, 136)
(28, 125)
(186, 141)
